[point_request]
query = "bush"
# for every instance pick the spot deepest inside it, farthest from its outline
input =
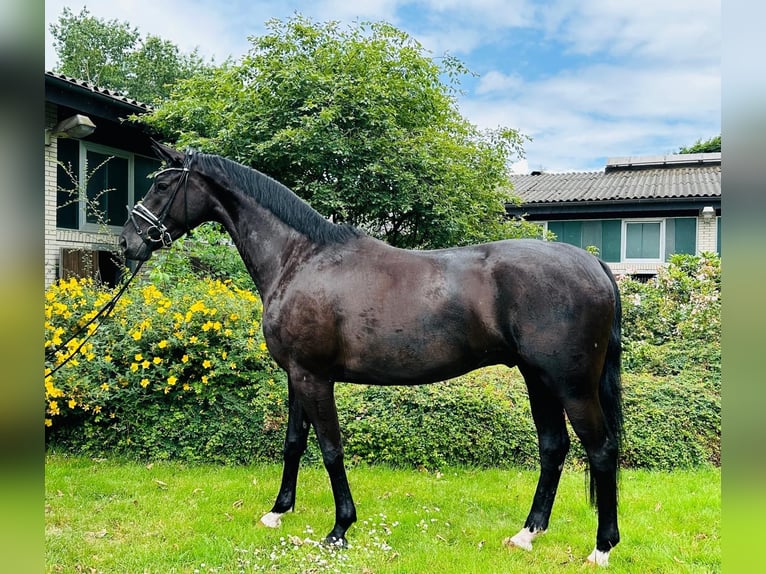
(181, 371)
(671, 422)
(172, 374)
(672, 324)
(482, 419)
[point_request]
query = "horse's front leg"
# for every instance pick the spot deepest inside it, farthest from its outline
(295, 446)
(318, 399)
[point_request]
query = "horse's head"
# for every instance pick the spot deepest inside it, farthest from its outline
(172, 206)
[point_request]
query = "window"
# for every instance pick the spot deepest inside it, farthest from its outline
(95, 184)
(657, 240)
(643, 240)
(624, 240)
(602, 234)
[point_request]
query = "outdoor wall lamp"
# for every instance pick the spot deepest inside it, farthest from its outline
(708, 212)
(76, 126)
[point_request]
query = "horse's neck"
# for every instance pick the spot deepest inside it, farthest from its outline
(264, 242)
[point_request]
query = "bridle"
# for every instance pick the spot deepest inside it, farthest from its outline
(157, 232)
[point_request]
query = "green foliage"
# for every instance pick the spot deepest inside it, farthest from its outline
(181, 372)
(359, 123)
(208, 253)
(482, 419)
(111, 54)
(671, 422)
(707, 146)
(672, 324)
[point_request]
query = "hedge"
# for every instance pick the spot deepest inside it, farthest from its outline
(181, 372)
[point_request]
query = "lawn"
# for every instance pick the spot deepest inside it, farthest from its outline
(125, 517)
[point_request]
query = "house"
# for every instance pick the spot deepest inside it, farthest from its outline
(637, 211)
(96, 164)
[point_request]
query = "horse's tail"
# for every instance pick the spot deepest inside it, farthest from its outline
(610, 385)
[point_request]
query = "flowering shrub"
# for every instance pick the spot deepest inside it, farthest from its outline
(672, 323)
(185, 349)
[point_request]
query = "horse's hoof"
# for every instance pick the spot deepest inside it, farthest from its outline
(523, 539)
(335, 542)
(272, 520)
(598, 558)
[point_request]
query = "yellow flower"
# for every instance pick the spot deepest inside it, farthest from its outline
(157, 360)
(204, 379)
(217, 326)
(139, 357)
(48, 422)
(107, 358)
(193, 339)
(144, 383)
(53, 406)
(146, 364)
(187, 387)
(133, 367)
(162, 344)
(105, 386)
(136, 335)
(197, 307)
(206, 363)
(224, 354)
(172, 379)
(72, 403)
(263, 346)
(185, 359)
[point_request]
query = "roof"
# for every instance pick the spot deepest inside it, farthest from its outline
(83, 86)
(667, 177)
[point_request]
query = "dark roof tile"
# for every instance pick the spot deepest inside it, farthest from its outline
(658, 177)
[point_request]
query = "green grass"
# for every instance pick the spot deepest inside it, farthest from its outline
(118, 517)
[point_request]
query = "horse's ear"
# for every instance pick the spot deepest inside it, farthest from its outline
(167, 154)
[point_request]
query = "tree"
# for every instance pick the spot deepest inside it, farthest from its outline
(111, 54)
(711, 145)
(358, 122)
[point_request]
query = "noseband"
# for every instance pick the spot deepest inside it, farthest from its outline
(157, 232)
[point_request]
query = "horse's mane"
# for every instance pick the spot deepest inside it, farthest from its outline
(275, 197)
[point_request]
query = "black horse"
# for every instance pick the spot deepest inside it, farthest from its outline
(339, 305)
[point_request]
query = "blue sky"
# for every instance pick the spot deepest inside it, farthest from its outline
(585, 79)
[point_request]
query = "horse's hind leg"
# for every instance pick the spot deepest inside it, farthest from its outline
(295, 446)
(588, 422)
(553, 440)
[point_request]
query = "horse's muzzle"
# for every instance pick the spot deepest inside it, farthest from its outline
(135, 248)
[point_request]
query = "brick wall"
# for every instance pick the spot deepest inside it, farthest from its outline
(707, 235)
(51, 249)
(55, 239)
